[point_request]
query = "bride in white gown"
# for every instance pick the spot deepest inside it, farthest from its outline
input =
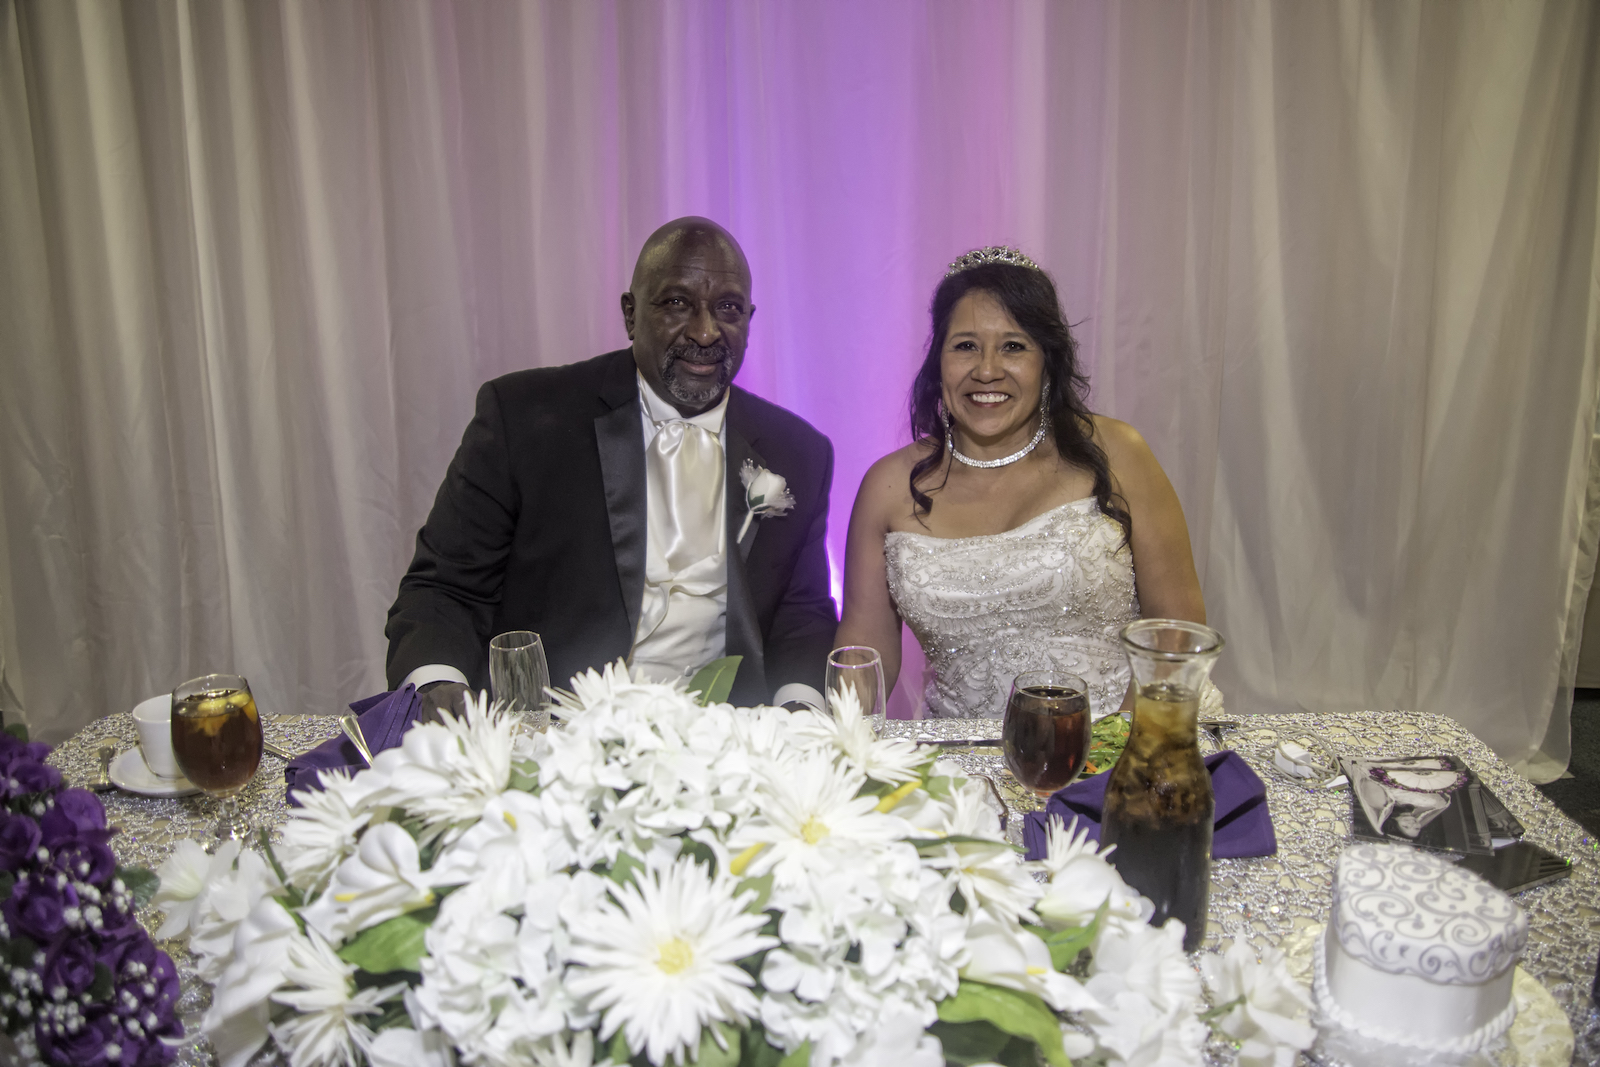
(1018, 531)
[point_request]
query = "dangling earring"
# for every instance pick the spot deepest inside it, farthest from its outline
(944, 418)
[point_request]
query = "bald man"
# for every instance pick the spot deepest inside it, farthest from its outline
(601, 505)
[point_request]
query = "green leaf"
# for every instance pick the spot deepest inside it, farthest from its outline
(714, 1054)
(8, 882)
(617, 1050)
(524, 776)
(18, 730)
(969, 1043)
(700, 852)
(940, 786)
(1019, 1014)
(961, 839)
(1066, 945)
(622, 871)
(394, 1014)
(800, 1057)
(763, 890)
(393, 945)
(100, 990)
(141, 882)
(714, 681)
(756, 1051)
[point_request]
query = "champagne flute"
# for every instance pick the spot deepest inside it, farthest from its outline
(216, 739)
(858, 669)
(518, 675)
(1046, 732)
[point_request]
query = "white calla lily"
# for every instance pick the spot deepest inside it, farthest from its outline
(383, 879)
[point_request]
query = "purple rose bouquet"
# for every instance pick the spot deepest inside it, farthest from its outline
(81, 983)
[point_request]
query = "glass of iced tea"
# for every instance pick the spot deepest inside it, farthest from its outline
(216, 737)
(1046, 731)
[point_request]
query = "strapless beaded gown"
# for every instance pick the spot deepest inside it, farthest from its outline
(1051, 594)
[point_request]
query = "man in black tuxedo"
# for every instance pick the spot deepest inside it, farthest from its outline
(601, 505)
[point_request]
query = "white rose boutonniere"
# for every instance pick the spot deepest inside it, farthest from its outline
(765, 494)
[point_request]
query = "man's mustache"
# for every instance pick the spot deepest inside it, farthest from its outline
(693, 353)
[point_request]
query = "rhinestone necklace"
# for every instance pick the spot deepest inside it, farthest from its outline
(987, 464)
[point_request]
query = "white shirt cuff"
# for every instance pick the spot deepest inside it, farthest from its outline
(801, 692)
(433, 672)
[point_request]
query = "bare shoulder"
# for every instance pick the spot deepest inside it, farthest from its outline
(886, 487)
(1133, 466)
(1119, 440)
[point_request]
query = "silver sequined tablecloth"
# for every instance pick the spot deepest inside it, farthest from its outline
(1263, 901)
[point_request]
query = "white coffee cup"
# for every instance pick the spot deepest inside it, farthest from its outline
(153, 717)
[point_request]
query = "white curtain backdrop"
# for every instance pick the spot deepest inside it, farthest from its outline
(1338, 262)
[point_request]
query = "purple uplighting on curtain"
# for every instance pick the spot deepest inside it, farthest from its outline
(1336, 263)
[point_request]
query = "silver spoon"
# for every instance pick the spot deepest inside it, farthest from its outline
(277, 750)
(352, 729)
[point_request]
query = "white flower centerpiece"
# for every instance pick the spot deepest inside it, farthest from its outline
(660, 882)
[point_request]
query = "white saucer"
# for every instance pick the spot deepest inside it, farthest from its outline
(129, 772)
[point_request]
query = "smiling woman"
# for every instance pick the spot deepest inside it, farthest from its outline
(1019, 531)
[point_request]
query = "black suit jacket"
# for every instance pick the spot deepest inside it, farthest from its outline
(540, 525)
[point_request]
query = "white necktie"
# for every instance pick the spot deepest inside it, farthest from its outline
(686, 485)
(688, 468)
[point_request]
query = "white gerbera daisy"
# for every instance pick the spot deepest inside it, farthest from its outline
(326, 1029)
(848, 731)
(659, 959)
(986, 870)
(811, 820)
(1081, 880)
(446, 772)
(321, 833)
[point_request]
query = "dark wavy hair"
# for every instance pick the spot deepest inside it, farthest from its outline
(1030, 297)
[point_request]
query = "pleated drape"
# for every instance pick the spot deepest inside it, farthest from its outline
(1337, 262)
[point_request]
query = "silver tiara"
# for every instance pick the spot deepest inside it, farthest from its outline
(981, 257)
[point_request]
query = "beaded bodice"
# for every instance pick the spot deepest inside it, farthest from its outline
(1052, 593)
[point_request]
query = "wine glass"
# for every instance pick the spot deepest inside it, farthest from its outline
(216, 739)
(859, 669)
(1046, 732)
(518, 675)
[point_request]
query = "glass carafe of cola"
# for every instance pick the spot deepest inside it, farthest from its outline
(1158, 805)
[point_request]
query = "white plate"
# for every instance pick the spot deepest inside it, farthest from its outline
(129, 773)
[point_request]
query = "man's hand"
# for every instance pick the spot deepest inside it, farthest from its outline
(440, 699)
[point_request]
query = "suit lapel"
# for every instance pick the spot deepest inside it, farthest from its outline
(743, 628)
(619, 434)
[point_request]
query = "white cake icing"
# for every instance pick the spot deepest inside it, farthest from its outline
(1418, 953)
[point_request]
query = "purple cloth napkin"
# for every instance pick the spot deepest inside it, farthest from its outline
(384, 719)
(1241, 825)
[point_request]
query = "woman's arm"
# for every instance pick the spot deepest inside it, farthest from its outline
(869, 617)
(1163, 562)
